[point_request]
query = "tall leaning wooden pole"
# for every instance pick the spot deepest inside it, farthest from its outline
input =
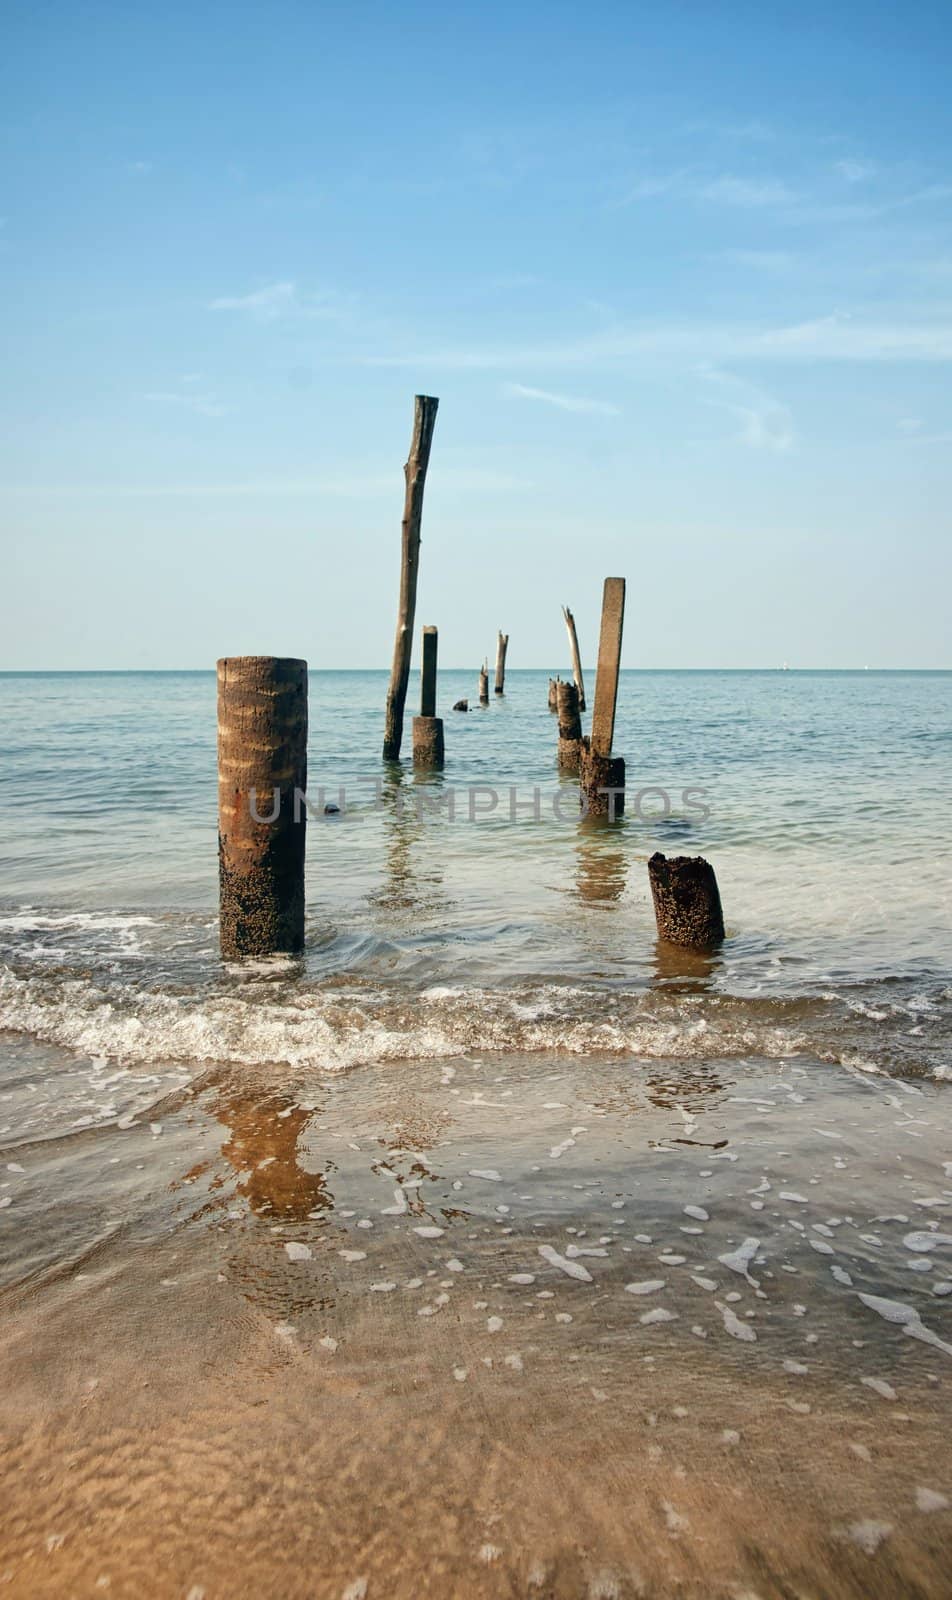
(424, 421)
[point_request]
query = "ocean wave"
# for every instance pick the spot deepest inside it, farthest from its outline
(332, 1031)
(335, 1029)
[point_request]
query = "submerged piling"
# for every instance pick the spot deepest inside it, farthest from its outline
(484, 684)
(554, 693)
(262, 760)
(687, 901)
(576, 658)
(602, 775)
(428, 727)
(424, 421)
(570, 727)
(502, 645)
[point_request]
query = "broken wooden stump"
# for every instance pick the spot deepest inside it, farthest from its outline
(687, 902)
(484, 684)
(570, 727)
(428, 727)
(502, 645)
(554, 693)
(602, 775)
(461, 705)
(424, 421)
(262, 772)
(576, 658)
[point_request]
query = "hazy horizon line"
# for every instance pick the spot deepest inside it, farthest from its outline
(126, 672)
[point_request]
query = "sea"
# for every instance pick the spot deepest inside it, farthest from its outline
(489, 1248)
(475, 909)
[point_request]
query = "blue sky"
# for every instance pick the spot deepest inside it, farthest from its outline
(681, 276)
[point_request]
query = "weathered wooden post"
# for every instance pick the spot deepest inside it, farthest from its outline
(484, 684)
(424, 421)
(687, 901)
(602, 775)
(576, 658)
(428, 727)
(570, 727)
(502, 645)
(262, 760)
(554, 693)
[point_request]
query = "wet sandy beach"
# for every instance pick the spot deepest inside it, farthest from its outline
(495, 1326)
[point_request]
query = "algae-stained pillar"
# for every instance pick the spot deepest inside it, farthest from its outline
(428, 727)
(687, 901)
(602, 775)
(484, 684)
(262, 760)
(570, 727)
(502, 645)
(424, 421)
(576, 658)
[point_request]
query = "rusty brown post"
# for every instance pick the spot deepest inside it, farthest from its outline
(262, 769)
(602, 775)
(428, 727)
(484, 684)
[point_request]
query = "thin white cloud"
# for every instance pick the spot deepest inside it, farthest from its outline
(764, 423)
(285, 299)
(139, 168)
(356, 485)
(748, 193)
(774, 261)
(754, 131)
(267, 303)
(855, 171)
(563, 402)
(834, 338)
(909, 424)
(726, 189)
(203, 405)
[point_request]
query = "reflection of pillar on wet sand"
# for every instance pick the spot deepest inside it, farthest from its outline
(411, 811)
(263, 1150)
(601, 869)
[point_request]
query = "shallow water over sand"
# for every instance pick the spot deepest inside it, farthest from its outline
(526, 1324)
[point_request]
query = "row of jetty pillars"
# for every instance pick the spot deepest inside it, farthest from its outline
(262, 759)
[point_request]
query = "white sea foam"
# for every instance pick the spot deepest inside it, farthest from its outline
(572, 1269)
(328, 1031)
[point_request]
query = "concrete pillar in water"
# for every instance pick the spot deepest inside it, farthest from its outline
(687, 902)
(602, 775)
(262, 760)
(428, 727)
(570, 727)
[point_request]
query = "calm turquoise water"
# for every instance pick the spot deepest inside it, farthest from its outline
(827, 796)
